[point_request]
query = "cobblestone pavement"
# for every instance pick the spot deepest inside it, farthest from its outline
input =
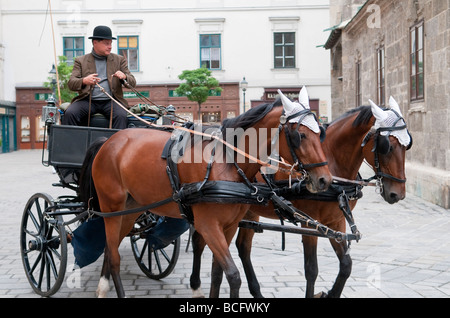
(404, 252)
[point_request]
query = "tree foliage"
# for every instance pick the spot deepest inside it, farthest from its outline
(198, 86)
(64, 73)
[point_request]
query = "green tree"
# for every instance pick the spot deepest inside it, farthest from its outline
(64, 73)
(198, 86)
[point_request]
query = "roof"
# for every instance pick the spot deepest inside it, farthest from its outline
(336, 31)
(335, 34)
(7, 103)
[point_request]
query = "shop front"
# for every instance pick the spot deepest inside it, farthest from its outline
(29, 125)
(216, 108)
(29, 102)
(8, 141)
(271, 94)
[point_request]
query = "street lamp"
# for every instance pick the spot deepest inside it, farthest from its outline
(49, 111)
(53, 74)
(244, 85)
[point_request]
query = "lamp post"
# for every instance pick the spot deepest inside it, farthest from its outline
(53, 74)
(244, 86)
(49, 111)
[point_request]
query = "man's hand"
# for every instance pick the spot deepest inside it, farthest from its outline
(120, 75)
(91, 79)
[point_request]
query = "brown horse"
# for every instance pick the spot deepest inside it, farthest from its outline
(366, 132)
(128, 172)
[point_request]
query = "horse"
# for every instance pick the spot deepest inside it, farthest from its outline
(368, 132)
(128, 172)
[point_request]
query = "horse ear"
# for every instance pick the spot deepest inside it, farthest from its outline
(379, 114)
(287, 103)
(303, 97)
(394, 105)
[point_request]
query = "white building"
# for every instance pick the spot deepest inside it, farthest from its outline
(272, 43)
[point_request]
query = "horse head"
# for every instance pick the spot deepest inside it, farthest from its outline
(301, 144)
(390, 139)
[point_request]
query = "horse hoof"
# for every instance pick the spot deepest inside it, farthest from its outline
(197, 293)
(321, 295)
(103, 288)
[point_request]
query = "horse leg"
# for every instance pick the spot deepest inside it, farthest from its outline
(216, 279)
(345, 268)
(219, 242)
(103, 284)
(311, 267)
(112, 256)
(244, 246)
(198, 246)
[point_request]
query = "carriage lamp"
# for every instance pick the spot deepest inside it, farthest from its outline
(169, 118)
(49, 111)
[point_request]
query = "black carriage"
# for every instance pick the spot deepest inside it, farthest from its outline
(46, 229)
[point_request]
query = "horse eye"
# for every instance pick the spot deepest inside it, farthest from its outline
(302, 135)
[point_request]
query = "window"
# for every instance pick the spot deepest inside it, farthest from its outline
(358, 85)
(129, 48)
(210, 51)
(284, 48)
(73, 47)
(40, 129)
(211, 117)
(25, 129)
(381, 76)
(417, 62)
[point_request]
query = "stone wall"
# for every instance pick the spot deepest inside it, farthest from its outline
(428, 119)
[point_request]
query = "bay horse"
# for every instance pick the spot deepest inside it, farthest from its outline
(127, 171)
(368, 132)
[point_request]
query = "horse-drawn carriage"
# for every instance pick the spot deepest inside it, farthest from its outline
(188, 189)
(46, 229)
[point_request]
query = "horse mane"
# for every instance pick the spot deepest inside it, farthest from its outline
(250, 117)
(363, 118)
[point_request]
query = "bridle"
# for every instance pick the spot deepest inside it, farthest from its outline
(382, 147)
(296, 144)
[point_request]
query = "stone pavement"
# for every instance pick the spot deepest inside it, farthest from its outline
(404, 252)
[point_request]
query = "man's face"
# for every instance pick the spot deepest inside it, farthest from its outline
(102, 47)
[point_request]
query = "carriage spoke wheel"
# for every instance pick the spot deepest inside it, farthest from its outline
(43, 246)
(156, 264)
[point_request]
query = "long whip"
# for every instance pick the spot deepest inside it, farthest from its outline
(54, 52)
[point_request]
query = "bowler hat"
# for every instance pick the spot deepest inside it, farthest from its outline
(102, 32)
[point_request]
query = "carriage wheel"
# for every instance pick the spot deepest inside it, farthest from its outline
(156, 264)
(43, 246)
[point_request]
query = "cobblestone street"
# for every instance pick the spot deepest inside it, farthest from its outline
(404, 252)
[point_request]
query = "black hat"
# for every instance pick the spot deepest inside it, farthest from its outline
(102, 33)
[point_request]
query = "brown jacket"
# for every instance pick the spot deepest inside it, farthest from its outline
(85, 65)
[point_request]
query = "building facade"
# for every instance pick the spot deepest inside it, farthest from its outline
(400, 49)
(272, 43)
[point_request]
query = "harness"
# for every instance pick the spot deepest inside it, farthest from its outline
(237, 192)
(382, 146)
(283, 120)
(224, 191)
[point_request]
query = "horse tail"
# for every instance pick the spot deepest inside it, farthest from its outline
(86, 190)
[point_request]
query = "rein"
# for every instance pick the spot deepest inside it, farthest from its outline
(291, 171)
